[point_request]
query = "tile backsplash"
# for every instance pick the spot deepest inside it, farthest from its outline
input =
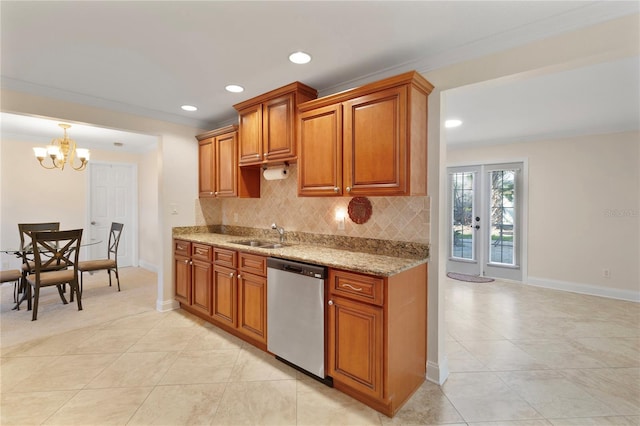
(393, 218)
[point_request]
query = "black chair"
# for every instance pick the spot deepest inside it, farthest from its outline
(51, 249)
(26, 252)
(110, 263)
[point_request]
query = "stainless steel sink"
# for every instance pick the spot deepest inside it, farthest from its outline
(259, 244)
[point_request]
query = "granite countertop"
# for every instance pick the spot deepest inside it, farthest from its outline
(367, 263)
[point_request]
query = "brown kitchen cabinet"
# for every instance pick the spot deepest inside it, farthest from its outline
(376, 337)
(225, 287)
(267, 125)
(240, 294)
(192, 275)
(252, 296)
(182, 271)
(368, 141)
(219, 174)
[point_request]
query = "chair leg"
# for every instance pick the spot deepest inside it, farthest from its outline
(117, 277)
(61, 293)
(109, 272)
(74, 287)
(81, 280)
(28, 290)
(34, 315)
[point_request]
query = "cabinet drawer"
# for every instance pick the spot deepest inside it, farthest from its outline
(182, 247)
(201, 252)
(228, 258)
(253, 264)
(354, 286)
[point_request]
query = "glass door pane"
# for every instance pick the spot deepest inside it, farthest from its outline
(502, 217)
(462, 186)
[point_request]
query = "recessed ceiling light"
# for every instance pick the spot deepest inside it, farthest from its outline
(190, 108)
(300, 58)
(452, 123)
(234, 88)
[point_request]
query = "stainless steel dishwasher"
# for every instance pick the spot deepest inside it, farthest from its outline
(295, 315)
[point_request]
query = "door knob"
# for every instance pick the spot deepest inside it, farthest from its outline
(477, 227)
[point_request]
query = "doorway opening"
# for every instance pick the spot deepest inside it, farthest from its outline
(486, 232)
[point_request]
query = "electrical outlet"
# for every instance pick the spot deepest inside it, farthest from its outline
(606, 273)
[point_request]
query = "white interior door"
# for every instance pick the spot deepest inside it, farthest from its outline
(112, 198)
(486, 220)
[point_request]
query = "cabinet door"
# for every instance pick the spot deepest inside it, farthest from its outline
(250, 144)
(278, 124)
(182, 278)
(252, 306)
(226, 165)
(355, 345)
(206, 168)
(320, 151)
(201, 286)
(374, 143)
(224, 295)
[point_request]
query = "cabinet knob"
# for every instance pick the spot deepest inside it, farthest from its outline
(348, 188)
(257, 155)
(211, 193)
(216, 193)
(266, 154)
(336, 189)
(239, 276)
(330, 302)
(231, 274)
(186, 261)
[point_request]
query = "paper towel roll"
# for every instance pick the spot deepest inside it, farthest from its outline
(275, 173)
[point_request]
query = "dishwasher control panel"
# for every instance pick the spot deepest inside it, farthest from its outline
(313, 271)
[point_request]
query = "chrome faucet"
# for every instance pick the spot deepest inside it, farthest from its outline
(280, 231)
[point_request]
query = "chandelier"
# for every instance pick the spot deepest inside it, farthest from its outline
(62, 151)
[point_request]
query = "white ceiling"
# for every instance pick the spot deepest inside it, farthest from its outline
(149, 58)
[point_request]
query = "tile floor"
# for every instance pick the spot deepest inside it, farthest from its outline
(518, 355)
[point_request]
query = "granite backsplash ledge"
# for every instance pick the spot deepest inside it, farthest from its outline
(403, 249)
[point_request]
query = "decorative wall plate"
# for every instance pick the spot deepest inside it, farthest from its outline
(360, 210)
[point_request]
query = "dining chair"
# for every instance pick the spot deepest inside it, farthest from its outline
(110, 263)
(12, 275)
(28, 264)
(51, 249)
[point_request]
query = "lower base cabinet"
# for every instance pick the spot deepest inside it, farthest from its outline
(377, 330)
(225, 287)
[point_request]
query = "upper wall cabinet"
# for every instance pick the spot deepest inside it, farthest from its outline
(268, 125)
(368, 141)
(218, 172)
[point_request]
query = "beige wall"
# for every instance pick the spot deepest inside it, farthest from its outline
(583, 215)
(30, 193)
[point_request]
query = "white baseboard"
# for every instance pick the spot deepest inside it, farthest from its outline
(438, 373)
(148, 266)
(612, 293)
(166, 305)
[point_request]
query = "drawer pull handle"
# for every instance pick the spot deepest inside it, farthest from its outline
(352, 287)
(231, 274)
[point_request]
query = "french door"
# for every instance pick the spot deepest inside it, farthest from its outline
(485, 220)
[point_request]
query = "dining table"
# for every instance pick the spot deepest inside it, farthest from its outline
(22, 254)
